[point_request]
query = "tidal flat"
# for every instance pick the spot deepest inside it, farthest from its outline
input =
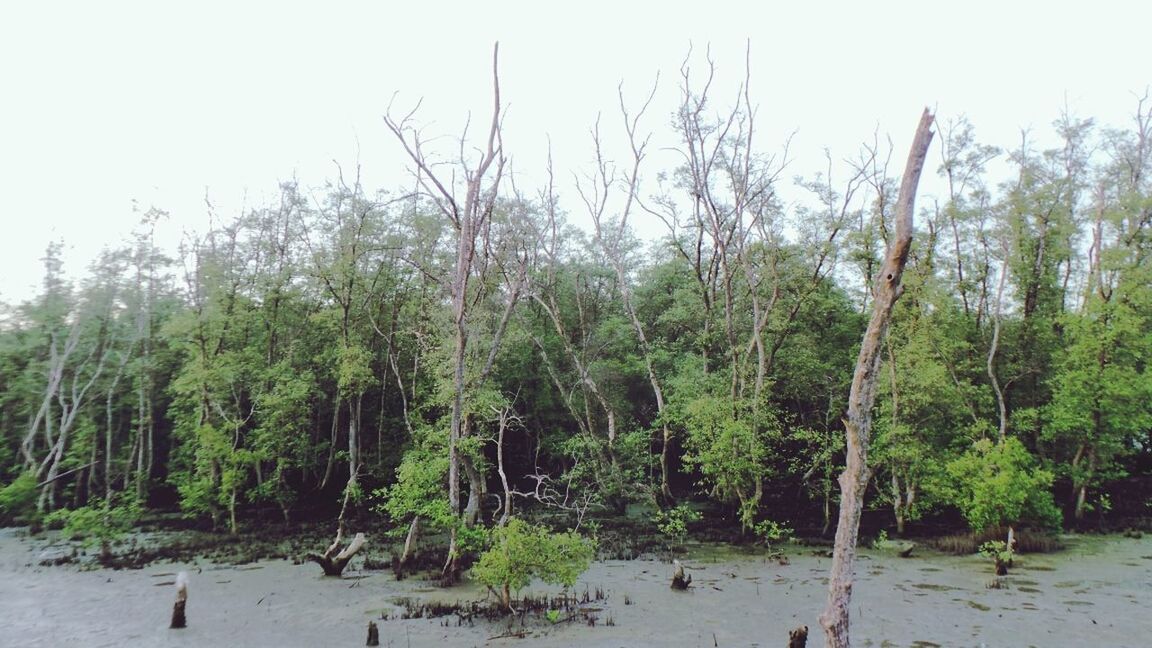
(1094, 592)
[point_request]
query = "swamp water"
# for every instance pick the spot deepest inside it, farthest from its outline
(1095, 592)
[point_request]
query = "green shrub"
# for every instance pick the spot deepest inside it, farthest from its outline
(522, 551)
(674, 522)
(769, 531)
(999, 484)
(99, 523)
(18, 499)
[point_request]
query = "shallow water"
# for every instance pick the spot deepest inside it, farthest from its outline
(1093, 593)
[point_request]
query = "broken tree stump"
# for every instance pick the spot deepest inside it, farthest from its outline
(798, 638)
(178, 618)
(334, 563)
(679, 582)
(373, 634)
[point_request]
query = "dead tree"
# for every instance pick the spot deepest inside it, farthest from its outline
(858, 424)
(178, 618)
(471, 219)
(679, 581)
(333, 561)
(798, 638)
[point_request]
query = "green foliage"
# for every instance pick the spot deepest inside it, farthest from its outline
(99, 523)
(996, 484)
(730, 451)
(673, 522)
(521, 551)
(355, 373)
(997, 551)
(769, 531)
(18, 498)
(421, 485)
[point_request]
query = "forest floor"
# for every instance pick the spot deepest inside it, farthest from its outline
(1091, 593)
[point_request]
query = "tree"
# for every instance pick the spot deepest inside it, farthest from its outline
(521, 552)
(470, 218)
(858, 425)
(998, 484)
(1101, 387)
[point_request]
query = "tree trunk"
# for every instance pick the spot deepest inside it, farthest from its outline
(679, 581)
(471, 221)
(858, 425)
(409, 544)
(898, 506)
(178, 618)
(333, 563)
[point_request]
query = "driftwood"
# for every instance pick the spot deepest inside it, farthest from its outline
(334, 563)
(178, 618)
(679, 582)
(373, 634)
(798, 638)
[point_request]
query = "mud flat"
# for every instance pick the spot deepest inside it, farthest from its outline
(1092, 593)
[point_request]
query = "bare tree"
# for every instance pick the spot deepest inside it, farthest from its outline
(858, 425)
(471, 218)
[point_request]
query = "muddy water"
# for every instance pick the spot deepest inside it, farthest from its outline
(1093, 593)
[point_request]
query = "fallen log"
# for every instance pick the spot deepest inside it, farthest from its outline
(333, 563)
(178, 618)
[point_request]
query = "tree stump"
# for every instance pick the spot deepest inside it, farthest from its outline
(679, 582)
(178, 618)
(373, 634)
(334, 563)
(798, 638)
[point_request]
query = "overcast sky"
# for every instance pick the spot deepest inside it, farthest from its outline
(104, 105)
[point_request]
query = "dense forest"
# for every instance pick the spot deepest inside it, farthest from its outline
(441, 353)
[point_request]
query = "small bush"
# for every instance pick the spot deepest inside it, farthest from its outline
(998, 484)
(100, 523)
(769, 531)
(522, 551)
(673, 523)
(18, 499)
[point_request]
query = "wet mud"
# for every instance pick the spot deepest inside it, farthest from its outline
(1084, 595)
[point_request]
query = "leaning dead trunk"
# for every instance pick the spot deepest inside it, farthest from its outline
(409, 544)
(858, 425)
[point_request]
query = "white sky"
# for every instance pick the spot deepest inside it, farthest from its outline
(104, 103)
